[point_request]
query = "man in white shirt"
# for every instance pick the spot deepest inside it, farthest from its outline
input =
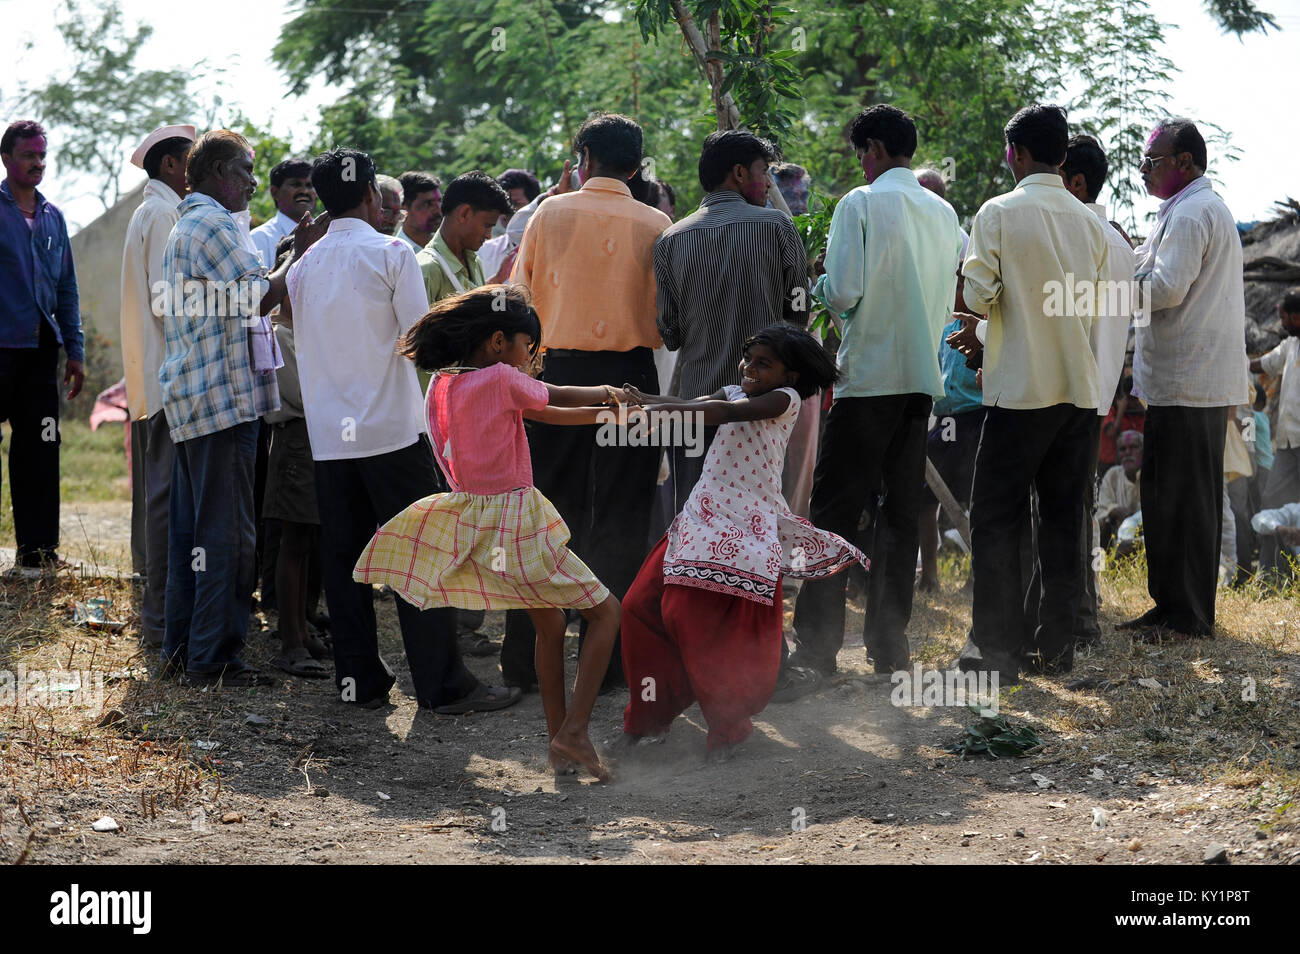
(1032, 251)
(162, 155)
(1284, 479)
(891, 274)
(422, 208)
(495, 255)
(1189, 365)
(292, 193)
(353, 297)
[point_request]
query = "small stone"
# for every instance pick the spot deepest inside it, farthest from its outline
(1216, 854)
(104, 824)
(1134, 845)
(232, 818)
(1260, 834)
(111, 717)
(1020, 833)
(321, 792)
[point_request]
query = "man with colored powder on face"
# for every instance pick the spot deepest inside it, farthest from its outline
(722, 274)
(293, 196)
(449, 263)
(891, 275)
(39, 313)
(390, 190)
(216, 381)
(1189, 365)
(422, 203)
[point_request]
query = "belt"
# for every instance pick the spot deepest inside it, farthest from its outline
(574, 353)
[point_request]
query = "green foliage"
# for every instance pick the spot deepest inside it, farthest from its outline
(1240, 16)
(103, 106)
(450, 87)
(994, 736)
(268, 150)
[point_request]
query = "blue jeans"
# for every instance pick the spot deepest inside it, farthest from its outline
(211, 540)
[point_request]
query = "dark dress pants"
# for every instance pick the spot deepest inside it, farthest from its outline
(29, 401)
(1047, 449)
(1182, 512)
(355, 497)
(872, 459)
(604, 494)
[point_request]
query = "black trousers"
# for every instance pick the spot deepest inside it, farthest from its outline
(1182, 512)
(604, 494)
(355, 498)
(872, 459)
(29, 401)
(1086, 628)
(1049, 449)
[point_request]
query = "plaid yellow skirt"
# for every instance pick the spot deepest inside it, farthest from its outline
(480, 551)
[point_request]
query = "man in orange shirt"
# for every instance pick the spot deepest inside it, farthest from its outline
(587, 257)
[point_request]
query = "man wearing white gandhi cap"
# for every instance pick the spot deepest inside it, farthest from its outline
(162, 155)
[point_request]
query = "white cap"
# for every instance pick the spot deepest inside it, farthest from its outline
(157, 136)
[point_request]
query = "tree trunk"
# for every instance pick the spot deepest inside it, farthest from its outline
(723, 104)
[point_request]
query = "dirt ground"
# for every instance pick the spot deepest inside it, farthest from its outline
(288, 774)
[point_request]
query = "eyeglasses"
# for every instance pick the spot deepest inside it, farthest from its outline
(1149, 162)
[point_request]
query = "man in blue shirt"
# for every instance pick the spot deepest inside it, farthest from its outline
(38, 314)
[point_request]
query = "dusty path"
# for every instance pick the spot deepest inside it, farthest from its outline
(843, 776)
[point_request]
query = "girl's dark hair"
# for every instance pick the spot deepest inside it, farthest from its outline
(455, 327)
(799, 352)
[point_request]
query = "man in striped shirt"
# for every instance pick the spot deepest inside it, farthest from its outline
(723, 273)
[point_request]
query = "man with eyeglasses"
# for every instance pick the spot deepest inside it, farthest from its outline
(1190, 366)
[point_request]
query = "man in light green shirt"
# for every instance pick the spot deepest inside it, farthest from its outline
(1031, 250)
(891, 274)
(470, 207)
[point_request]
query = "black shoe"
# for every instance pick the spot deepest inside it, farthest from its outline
(482, 699)
(795, 682)
(802, 659)
(472, 644)
(1049, 664)
(1152, 617)
(379, 699)
(234, 676)
(973, 659)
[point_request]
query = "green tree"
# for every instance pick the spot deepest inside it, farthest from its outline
(105, 104)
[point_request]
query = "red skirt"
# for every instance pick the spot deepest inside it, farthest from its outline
(682, 644)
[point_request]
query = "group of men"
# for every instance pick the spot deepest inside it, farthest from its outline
(924, 313)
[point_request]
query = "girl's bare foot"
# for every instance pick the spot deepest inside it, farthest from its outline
(577, 747)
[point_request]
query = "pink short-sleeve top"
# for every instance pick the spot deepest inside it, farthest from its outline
(477, 424)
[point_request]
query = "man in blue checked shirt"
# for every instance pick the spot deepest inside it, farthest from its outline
(217, 380)
(38, 314)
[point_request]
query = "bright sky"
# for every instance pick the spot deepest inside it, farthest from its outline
(1242, 86)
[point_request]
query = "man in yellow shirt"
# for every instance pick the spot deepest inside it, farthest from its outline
(449, 263)
(587, 257)
(1032, 249)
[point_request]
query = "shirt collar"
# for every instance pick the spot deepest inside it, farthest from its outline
(901, 173)
(160, 189)
(1199, 184)
(1098, 210)
(200, 198)
(606, 184)
(1050, 179)
(8, 194)
(349, 224)
(286, 223)
(453, 260)
(718, 196)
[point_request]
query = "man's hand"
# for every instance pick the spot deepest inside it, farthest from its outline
(566, 179)
(75, 372)
(964, 338)
(1289, 536)
(308, 232)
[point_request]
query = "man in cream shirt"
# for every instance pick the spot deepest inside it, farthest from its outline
(1031, 250)
(162, 155)
(1189, 365)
